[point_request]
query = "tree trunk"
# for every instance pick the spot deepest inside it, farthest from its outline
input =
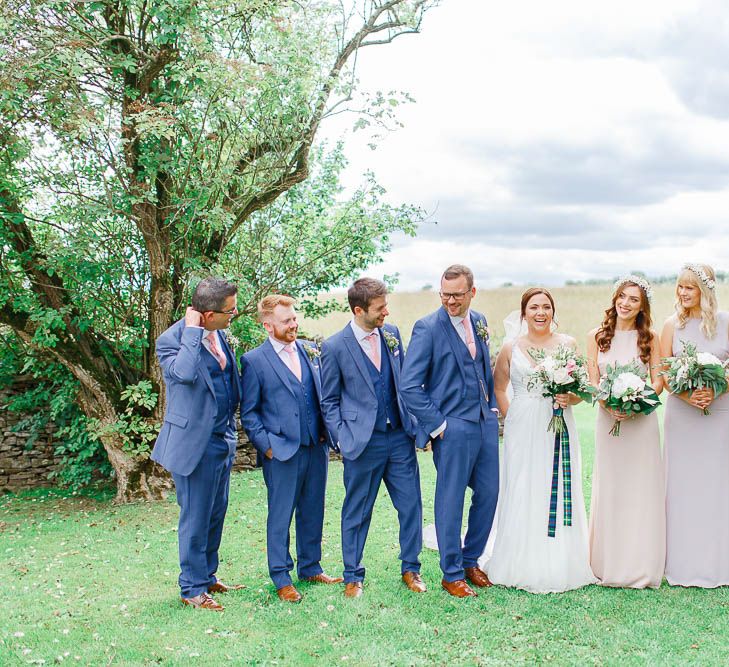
(137, 477)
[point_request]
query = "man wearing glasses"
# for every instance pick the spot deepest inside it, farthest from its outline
(448, 386)
(198, 437)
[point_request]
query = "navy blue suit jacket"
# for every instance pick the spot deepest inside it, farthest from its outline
(349, 401)
(433, 382)
(269, 410)
(191, 405)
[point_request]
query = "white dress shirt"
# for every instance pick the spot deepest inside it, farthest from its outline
(458, 325)
(283, 355)
(361, 335)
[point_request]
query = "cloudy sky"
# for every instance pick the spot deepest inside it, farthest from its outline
(556, 141)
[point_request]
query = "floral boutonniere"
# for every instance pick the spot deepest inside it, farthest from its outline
(313, 351)
(232, 340)
(483, 331)
(392, 342)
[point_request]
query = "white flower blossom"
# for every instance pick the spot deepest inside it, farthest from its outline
(627, 383)
(562, 376)
(707, 359)
(548, 363)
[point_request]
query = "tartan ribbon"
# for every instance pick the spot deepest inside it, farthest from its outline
(561, 443)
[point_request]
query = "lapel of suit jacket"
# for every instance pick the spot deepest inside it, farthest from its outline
(485, 352)
(453, 339)
(352, 344)
(394, 361)
(230, 356)
(278, 366)
(202, 365)
(314, 369)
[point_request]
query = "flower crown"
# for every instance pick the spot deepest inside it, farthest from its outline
(638, 280)
(700, 274)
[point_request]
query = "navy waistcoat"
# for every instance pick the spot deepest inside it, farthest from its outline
(226, 392)
(384, 384)
(476, 385)
(308, 404)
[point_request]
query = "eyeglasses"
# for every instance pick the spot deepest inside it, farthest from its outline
(458, 296)
(232, 311)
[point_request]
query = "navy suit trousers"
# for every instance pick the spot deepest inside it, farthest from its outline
(297, 484)
(203, 499)
(466, 456)
(389, 456)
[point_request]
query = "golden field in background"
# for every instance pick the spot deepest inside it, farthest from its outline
(579, 308)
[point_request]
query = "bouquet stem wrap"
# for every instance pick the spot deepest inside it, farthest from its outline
(561, 446)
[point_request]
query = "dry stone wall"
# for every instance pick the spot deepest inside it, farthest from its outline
(24, 463)
(28, 464)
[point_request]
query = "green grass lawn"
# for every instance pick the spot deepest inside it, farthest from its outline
(89, 583)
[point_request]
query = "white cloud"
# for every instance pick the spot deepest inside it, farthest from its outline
(557, 141)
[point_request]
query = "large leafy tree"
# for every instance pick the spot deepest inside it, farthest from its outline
(145, 141)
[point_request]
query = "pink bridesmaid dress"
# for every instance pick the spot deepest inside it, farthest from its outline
(627, 516)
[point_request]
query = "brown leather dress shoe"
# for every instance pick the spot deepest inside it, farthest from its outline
(477, 577)
(220, 587)
(353, 589)
(288, 594)
(203, 601)
(458, 588)
(323, 578)
(414, 582)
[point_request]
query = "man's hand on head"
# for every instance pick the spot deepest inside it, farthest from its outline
(193, 318)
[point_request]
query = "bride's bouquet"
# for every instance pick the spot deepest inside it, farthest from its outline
(559, 371)
(691, 370)
(624, 388)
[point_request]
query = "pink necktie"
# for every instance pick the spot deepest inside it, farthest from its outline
(294, 363)
(217, 352)
(374, 340)
(469, 337)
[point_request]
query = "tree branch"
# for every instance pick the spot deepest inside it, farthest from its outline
(298, 167)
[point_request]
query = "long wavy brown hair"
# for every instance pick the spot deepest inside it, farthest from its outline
(606, 332)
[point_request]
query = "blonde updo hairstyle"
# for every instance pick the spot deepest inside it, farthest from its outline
(709, 304)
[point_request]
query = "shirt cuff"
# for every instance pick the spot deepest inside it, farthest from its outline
(439, 430)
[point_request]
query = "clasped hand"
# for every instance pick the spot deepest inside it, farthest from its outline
(619, 415)
(701, 398)
(562, 400)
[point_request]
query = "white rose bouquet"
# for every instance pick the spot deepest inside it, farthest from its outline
(691, 370)
(560, 371)
(625, 388)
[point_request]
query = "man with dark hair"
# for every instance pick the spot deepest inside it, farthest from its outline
(363, 411)
(282, 416)
(198, 437)
(447, 384)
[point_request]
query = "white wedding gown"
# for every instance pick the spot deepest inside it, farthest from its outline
(523, 555)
